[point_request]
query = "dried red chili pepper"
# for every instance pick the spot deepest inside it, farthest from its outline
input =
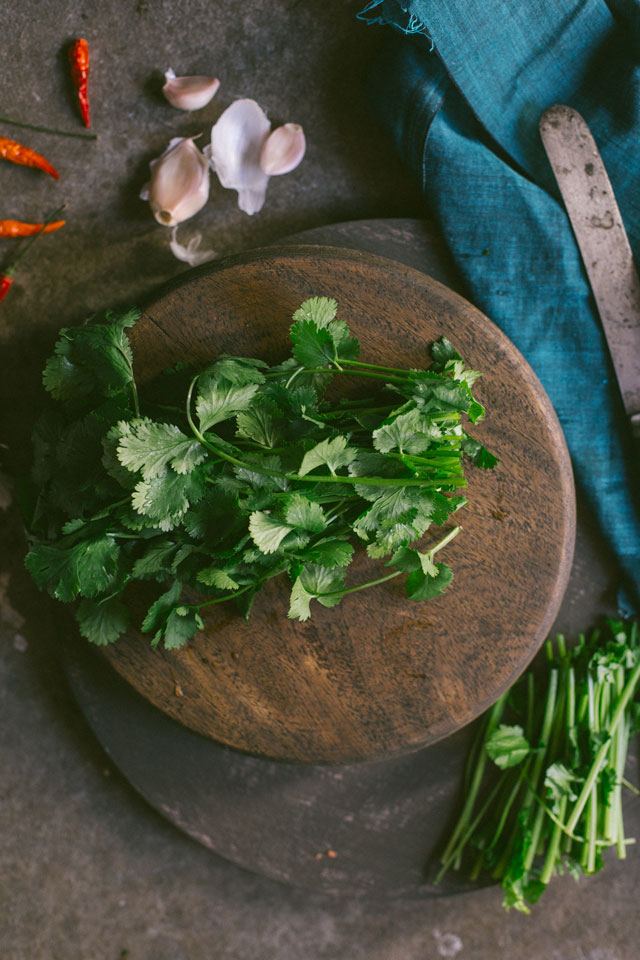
(6, 277)
(79, 60)
(17, 228)
(17, 153)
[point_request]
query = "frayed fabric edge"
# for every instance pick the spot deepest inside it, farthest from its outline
(401, 19)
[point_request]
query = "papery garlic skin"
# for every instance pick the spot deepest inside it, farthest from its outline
(283, 149)
(234, 153)
(189, 93)
(179, 185)
(190, 252)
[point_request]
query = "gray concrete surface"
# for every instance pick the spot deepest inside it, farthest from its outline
(88, 871)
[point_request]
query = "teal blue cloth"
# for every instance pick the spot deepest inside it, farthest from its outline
(460, 85)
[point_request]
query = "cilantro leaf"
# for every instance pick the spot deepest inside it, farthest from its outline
(507, 746)
(93, 357)
(408, 559)
(299, 602)
(317, 310)
(440, 394)
(318, 339)
(411, 432)
(558, 783)
(313, 347)
(477, 453)
(421, 586)
(166, 498)
(323, 583)
(266, 532)
(156, 560)
(171, 621)
(87, 568)
(110, 462)
(443, 352)
(459, 371)
(181, 625)
(149, 447)
(237, 370)
(347, 347)
(395, 504)
(390, 538)
(315, 582)
(373, 464)
(332, 453)
(218, 400)
(102, 621)
(301, 512)
(215, 577)
(475, 412)
(295, 400)
(65, 380)
(160, 608)
(260, 423)
(253, 475)
(329, 553)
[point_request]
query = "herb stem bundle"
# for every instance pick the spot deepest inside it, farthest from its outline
(557, 781)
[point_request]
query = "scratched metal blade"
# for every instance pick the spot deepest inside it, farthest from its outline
(602, 239)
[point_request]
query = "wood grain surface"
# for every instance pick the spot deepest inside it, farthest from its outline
(375, 676)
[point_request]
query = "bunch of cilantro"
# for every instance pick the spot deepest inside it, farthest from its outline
(545, 779)
(216, 480)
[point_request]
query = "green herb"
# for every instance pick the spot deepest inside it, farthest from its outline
(556, 803)
(217, 480)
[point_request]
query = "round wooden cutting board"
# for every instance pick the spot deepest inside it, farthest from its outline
(377, 675)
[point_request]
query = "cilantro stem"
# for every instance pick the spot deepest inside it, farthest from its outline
(332, 370)
(563, 829)
(621, 706)
(445, 540)
(227, 596)
(346, 411)
(509, 803)
(543, 746)
(373, 366)
(134, 389)
(630, 786)
(250, 586)
(362, 586)
(489, 726)
(455, 855)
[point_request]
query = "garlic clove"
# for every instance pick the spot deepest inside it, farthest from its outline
(179, 184)
(283, 149)
(190, 252)
(189, 93)
(234, 152)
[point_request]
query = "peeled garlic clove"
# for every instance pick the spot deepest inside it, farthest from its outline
(283, 149)
(234, 152)
(189, 93)
(179, 185)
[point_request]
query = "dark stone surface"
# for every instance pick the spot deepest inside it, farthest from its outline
(88, 869)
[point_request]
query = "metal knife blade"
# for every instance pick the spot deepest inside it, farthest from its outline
(603, 242)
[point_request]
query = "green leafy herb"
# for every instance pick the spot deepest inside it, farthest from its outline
(551, 800)
(210, 482)
(507, 746)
